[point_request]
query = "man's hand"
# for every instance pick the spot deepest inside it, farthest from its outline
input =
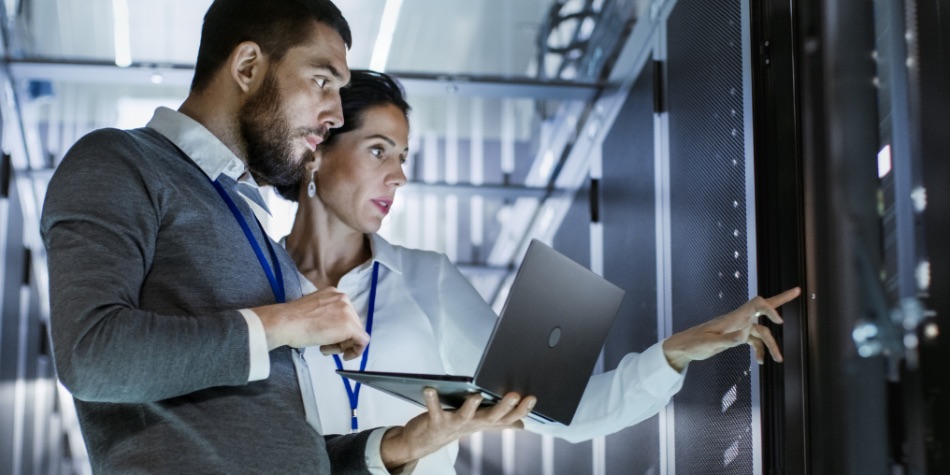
(431, 430)
(730, 330)
(324, 318)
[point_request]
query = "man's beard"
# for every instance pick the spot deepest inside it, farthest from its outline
(269, 140)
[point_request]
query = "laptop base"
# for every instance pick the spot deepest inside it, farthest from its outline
(453, 390)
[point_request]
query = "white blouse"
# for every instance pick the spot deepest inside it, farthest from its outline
(429, 319)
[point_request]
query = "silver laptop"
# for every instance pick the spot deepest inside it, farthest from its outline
(545, 342)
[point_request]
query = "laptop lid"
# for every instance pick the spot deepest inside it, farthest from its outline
(550, 333)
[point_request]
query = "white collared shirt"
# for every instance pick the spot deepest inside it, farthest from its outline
(429, 319)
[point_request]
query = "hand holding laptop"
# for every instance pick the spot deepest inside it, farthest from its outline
(435, 428)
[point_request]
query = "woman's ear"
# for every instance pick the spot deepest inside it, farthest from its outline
(314, 164)
(247, 65)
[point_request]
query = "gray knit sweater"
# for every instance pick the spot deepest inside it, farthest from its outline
(147, 270)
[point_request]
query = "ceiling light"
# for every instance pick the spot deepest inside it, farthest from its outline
(384, 40)
(547, 164)
(123, 48)
(884, 161)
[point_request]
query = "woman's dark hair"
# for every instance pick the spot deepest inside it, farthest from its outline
(366, 90)
(275, 25)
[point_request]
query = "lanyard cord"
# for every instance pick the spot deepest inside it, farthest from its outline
(354, 393)
(276, 282)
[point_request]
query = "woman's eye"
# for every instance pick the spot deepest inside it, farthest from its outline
(376, 151)
(321, 82)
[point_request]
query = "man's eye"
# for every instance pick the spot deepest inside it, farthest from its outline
(321, 82)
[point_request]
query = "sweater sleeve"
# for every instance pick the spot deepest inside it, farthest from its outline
(348, 453)
(100, 223)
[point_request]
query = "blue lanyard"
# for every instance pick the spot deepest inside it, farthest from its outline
(351, 392)
(276, 282)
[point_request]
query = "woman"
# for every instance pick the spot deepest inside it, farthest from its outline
(426, 317)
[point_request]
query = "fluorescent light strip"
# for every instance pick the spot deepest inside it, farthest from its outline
(430, 234)
(384, 40)
(414, 216)
(451, 177)
(123, 48)
(508, 465)
(452, 140)
(478, 220)
(547, 455)
(884, 163)
(507, 136)
(430, 167)
(477, 172)
(477, 444)
(452, 227)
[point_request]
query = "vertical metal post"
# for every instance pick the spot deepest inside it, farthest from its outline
(664, 304)
(751, 235)
(846, 394)
(599, 444)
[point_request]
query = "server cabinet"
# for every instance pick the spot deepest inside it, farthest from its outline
(677, 208)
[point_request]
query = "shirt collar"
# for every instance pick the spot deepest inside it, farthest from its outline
(385, 253)
(203, 147)
(206, 150)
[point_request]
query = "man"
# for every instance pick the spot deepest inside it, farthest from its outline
(173, 315)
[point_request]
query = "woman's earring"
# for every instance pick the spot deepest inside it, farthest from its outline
(312, 187)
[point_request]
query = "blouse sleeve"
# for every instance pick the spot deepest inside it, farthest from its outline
(641, 385)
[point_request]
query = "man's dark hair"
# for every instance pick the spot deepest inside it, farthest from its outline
(275, 25)
(367, 89)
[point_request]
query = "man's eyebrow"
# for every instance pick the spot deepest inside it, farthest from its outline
(329, 67)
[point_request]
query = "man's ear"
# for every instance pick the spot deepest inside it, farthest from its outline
(247, 65)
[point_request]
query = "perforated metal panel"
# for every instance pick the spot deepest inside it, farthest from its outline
(573, 240)
(709, 258)
(629, 217)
